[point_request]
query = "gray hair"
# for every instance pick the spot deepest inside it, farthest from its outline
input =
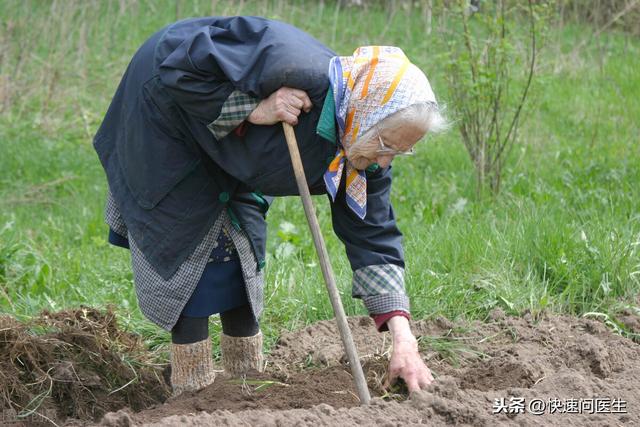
(425, 116)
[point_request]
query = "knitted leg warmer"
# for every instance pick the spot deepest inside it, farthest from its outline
(191, 366)
(241, 354)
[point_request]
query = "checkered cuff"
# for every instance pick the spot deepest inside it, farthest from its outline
(384, 303)
(234, 111)
(381, 288)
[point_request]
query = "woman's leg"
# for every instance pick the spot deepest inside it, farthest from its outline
(241, 341)
(188, 330)
(191, 359)
(239, 322)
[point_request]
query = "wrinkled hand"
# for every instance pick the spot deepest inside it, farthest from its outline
(406, 362)
(283, 105)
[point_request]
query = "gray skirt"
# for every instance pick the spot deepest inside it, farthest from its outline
(162, 301)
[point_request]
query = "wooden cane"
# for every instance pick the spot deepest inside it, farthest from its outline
(325, 265)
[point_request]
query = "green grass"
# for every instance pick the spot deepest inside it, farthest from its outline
(564, 234)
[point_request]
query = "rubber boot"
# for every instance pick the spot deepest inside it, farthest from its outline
(191, 366)
(241, 354)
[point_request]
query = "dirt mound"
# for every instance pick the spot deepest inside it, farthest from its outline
(529, 371)
(551, 370)
(73, 364)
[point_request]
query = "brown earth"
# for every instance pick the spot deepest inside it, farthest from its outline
(566, 360)
(73, 364)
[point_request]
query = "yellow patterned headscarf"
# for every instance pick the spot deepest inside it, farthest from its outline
(373, 83)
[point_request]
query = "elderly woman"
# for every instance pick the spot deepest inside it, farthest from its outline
(194, 153)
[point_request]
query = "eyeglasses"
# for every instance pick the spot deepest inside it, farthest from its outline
(383, 149)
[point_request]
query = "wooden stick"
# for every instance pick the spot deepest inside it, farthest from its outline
(325, 265)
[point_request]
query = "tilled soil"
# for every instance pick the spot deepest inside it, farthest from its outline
(550, 370)
(582, 372)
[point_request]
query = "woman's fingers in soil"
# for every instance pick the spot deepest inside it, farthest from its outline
(414, 380)
(413, 384)
(426, 380)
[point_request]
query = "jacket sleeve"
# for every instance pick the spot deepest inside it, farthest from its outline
(248, 55)
(207, 74)
(235, 110)
(373, 246)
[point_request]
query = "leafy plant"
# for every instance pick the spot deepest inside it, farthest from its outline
(481, 76)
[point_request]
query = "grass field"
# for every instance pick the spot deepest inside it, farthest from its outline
(564, 234)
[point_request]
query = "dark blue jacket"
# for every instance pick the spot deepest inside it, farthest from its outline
(170, 177)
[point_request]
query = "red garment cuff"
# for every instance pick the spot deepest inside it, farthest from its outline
(241, 129)
(381, 319)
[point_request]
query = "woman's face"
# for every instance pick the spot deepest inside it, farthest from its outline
(382, 145)
(364, 160)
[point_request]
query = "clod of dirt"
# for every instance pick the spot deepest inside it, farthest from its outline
(499, 373)
(122, 418)
(631, 321)
(74, 364)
